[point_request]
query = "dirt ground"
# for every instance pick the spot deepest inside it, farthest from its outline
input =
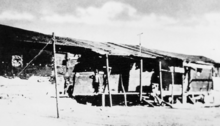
(28, 103)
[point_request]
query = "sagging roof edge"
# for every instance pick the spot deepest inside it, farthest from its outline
(95, 50)
(109, 48)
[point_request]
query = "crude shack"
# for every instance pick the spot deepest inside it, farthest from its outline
(179, 76)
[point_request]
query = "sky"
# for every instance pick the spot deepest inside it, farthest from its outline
(182, 26)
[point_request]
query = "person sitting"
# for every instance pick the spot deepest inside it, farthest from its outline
(155, 88)
(155, 92)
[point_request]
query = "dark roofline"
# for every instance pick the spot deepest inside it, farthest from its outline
(21, 35)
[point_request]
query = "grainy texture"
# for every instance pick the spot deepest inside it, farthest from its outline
(12, 34)
(28, 102)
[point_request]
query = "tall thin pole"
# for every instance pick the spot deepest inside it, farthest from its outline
(109, 89)
(141, 88)
(122, 85)
(183, 87)
(141, 68)
(161, 82)
(173, 72)
(185, 83)
(55, 73)
(140, 42)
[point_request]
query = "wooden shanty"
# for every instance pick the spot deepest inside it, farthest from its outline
(179, 77)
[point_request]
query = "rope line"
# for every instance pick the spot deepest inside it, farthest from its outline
(33, 58)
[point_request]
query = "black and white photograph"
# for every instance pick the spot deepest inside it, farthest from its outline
(109, 62)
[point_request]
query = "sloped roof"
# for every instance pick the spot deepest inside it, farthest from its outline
(185, 57)
(101, 47)
(20, 35)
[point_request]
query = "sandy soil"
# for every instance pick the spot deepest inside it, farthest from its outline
(26, 103)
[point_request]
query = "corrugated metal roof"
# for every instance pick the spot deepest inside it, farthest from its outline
(20, 35)
(101, 47)
(185, 57)
(180, 56)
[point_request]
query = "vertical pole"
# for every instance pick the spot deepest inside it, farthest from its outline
(161, 82)
(141, 88)
(173, 70)
(185, 83)
(103, 93)
(103, 99)
(183, 88)
(122, 85)
(193, 99)
(55, 72)
(141, 68)
(109, 89)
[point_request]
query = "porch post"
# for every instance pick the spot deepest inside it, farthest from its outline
(103, 99)
(161, 83)
(122, 85)
(141, 88)
(173, 71)
(55, 73)
(109, 89)
(185, 82)
(141, 67)
(183, 91)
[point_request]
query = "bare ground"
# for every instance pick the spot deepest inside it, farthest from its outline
(27, 103)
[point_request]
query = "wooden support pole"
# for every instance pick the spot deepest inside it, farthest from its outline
(122, 85)
(55, 73)
(103, 99)
(185, 83)
(193, 99)
(103, 93)
(141, 67)
(105, 84)
(141, 88)
(173, 71)
(161, 82)
(183, 89)
(109, 89)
